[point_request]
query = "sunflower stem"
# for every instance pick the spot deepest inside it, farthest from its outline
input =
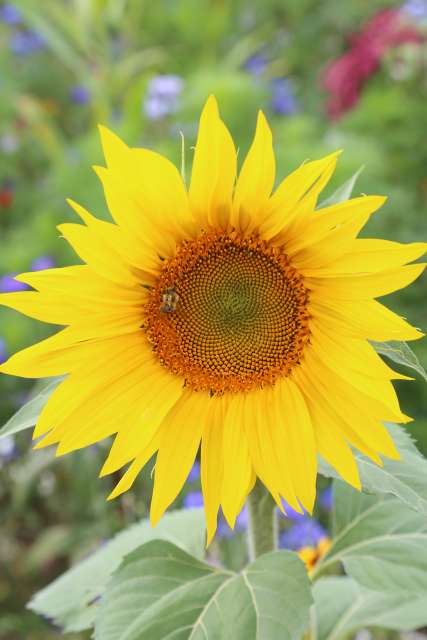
(262, 525)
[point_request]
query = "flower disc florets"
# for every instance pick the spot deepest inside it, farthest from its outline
(228, 313)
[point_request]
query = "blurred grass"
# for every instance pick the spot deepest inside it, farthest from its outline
(53, 511)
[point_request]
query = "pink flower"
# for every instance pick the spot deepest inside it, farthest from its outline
(345, 77)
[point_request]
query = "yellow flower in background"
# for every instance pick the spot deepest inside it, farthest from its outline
(226, 318)
(311, 555)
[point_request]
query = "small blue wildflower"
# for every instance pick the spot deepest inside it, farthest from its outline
(194, 474)
(307, 533)
(326, 499)
(9, 14)
(79, 94)
(193, 500)
(23, 43)
(256, 64)
(283, 99)
(41, 263)
(8, 284)
(8, 449)
(3, 351)
(163, 96)
(416, 9)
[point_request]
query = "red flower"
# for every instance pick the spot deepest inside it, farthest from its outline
(6, 198)
(345, 77)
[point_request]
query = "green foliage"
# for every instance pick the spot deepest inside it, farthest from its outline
(72, 600)
(379, 550)
(160, 592)
(401, 353)
(27, 415)
(405, 479)
(342, 607)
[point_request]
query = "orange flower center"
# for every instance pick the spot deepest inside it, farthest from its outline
(228, 313)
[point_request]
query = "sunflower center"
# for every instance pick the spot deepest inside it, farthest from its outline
(228, 313)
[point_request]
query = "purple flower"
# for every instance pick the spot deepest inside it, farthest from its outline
(23, 43)
(241, 524)
(9, 14)
(326, 499)
(283, 99)
(41, 263)
(8, 284)
(416, 9)
(193, 500)
(8, 450)
(163, 96)
(306, 533)
(3, 351)
(194, 474)
(80, 94)
(256, 64)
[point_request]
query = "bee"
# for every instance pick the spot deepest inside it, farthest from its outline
(170, 300)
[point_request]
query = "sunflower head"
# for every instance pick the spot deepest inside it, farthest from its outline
(229, 318)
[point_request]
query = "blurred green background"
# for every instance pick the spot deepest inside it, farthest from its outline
(329, 75)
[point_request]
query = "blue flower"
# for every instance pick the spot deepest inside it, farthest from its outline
(8, 284)
(283, 99)
(416, 9)
(163, 96)
(306, 533)
(194, 474)
(326, 499)
(193, 500)
(3, 351)
(256, 64)
(8, 449)
(23, 43)
(80, 94)
(42, 262)
(9, 14)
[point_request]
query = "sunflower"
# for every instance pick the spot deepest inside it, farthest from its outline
(226, 318)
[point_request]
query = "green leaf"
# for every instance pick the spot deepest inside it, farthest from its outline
(161, 592)
(343, 192)
(405, 479)
(381, 542)
(27, 415)
(342, 607)
(72, 599)
(400, 353)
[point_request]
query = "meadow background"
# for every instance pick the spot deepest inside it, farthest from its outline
(329, 75)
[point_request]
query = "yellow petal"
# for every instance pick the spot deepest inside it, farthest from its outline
(145, 194)
(60, 354)
(140, 461)
(370, 256)
(300, 188)
(211, 472)
(214, 170)
(101, 257)
(256, 179)
(363, 319)
(295, 425)
(365, 286)
(332, 446)
(140, 256)
(237, 465)
(159, 391)
(324, 220)
(179, 439)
